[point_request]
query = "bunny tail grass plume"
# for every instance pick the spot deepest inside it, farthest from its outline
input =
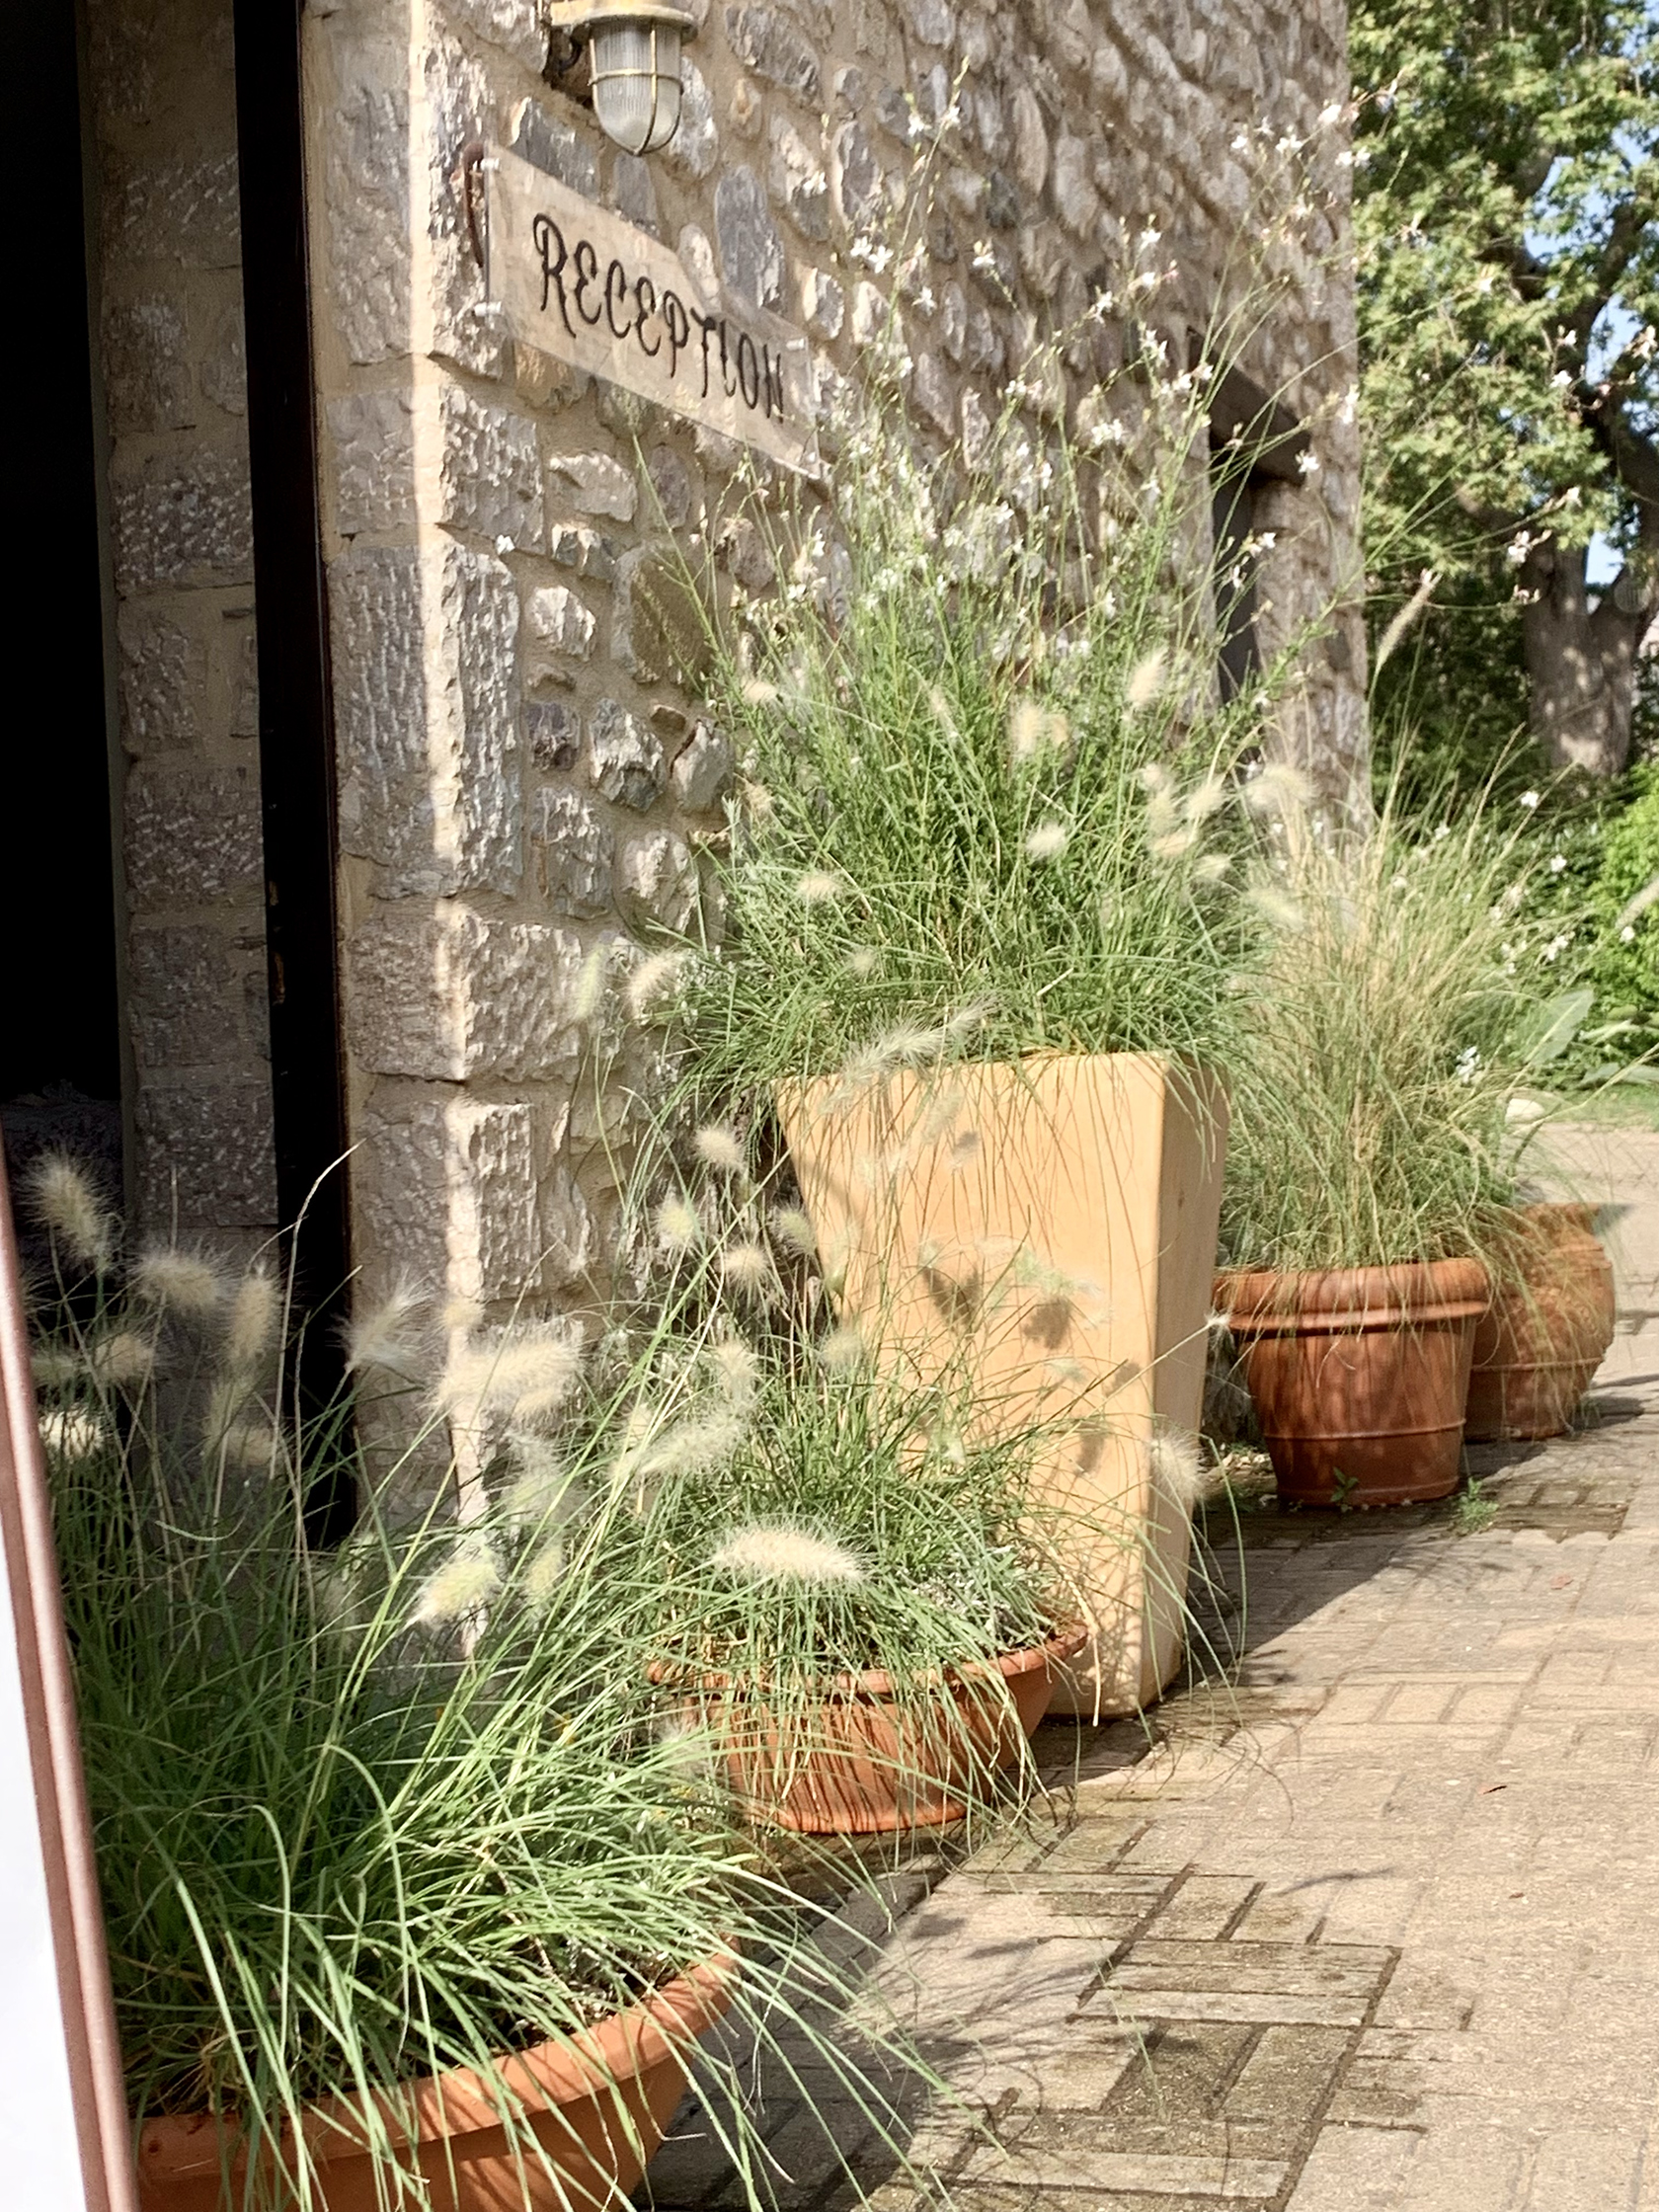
(589, 995)
(737, 1373)
(794, 1230)
(527, 1373)
(1177, 1469)
(1205, 799)
(1278, 788)
(678, 1225)
(693, 1446)
(544, 1574)
(817, 888)
(1211, 867)
(776, 1551)
(54, 1365)
(122, 1361)
(1275, 905)
(1145, 678)
(176, 1282)
(652, 981)
(544, 1491)
(384, 1339)
(940, 709)
(65, 1201)
(253, 1321)
(1034, 730)
(72, 1433)
(841, 1351)
(467, 1579)
(747, 1269)
(1047, 841)
(720, 1148)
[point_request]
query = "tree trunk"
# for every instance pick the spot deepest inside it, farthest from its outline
(1581, 659)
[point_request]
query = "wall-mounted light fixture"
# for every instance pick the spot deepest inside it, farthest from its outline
(633, 60)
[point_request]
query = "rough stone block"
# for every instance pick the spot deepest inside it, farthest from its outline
(187, 210)
(624, 757)
(750, 250)
(445, 993)
(553, 732)
(932, 21)
(702, 770)
(822, 304)
(427, 710)
(855, 175)
(583, 550)
(491, 478)
(373, 438)
(561, 631)
(182, 519)
(163, 670)
(670, 487)
(184, 998)
(515, 26)
(1075, 199)
(769, 45)
(1031, 142)
(694, 148)
(934, 393)
(205, 1157)
(594, 484)
(554, 145)
(798, 182)
(368, 200)
(445, 1188)
(147, 381)
(576, 853)
(657, 882)
(192, 836)
(633, 195)
(224, 365)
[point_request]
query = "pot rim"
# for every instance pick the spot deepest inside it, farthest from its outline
(1317, 1301)
(875, 1683)
(558, 2070)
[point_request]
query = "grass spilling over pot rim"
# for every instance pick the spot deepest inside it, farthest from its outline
(989, 801)
(366, 1815)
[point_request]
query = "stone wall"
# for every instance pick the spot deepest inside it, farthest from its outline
(519, 782)
(164, 119)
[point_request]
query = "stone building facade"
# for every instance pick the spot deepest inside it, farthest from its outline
(518, 777)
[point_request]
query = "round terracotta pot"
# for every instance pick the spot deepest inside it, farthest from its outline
(859, 1764)
(1359, 1376)
(1551, 1323)
(598, 2104)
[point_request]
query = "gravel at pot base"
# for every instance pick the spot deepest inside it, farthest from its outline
(1373, 1925)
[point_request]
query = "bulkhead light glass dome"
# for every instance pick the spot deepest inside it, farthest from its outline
(636, 80)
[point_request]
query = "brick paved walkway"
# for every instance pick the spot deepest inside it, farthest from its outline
(1374, 1929)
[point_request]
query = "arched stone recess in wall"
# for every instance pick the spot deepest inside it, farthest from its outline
(523, 783)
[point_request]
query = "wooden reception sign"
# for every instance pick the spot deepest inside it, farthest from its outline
(66, 2141)
(574, 280)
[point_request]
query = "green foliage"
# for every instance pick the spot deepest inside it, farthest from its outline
(976, 818)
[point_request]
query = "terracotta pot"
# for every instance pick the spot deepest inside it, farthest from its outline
(1551, 1323)
(860, 1765)
(1044, 1230)
(598, 2104)
(1359, 1376)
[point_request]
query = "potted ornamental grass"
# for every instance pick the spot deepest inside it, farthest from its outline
(409, 1899)
(982, 912)
(1370, 1204)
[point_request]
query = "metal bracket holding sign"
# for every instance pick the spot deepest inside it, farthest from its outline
(572, 281)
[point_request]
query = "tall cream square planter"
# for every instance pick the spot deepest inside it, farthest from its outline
(1051, 1225)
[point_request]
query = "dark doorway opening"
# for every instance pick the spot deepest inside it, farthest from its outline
(60, 1053)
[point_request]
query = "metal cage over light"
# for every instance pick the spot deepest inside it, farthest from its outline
(632, 63)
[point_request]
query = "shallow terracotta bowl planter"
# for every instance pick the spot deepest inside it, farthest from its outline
(1359, 1376)
(1551, 1320)
(598, 2104)
(859, 1762)
(1046, 1230)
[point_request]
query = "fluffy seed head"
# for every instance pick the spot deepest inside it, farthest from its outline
(249, 1444)
(721, 1148)
(122, 1361)
(776, 1551)
(65, 1201)
(54, 1365)
(1278, 788)
(794, 1230)
(1211, 867)
(468, 1578)
(940, 709)
(1145, 679)
(176, 1282)
(589, 995)
(841, 1351)
(526, 1374)
(862, 963)
(382, 1340)
(679, 1225)
(690, 1446)
(817, 888)
(72, 1433)
(1176, 1467)
(1205, 799)
(737, 1373)
(253, 1321)
(1047, 841)
(544, 1490)
(1174, 844)
(652, 981)
(1275, 906)
(747, 1267)
(544, 1574)
(1035, 730)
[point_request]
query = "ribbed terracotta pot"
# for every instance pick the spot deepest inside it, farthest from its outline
(1359, 1376)
(1046, 1230)
(1551, 1320)
(860, 1762)
(598, 2104)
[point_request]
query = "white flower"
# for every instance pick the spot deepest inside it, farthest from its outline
(1308, 463)
(1627, 935)
(1555, 947)
(1530, 800)
(1469, 1064)
(1557, 862)
(776, 1551)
